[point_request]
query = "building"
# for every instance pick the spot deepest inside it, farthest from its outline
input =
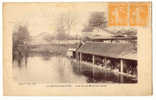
(111, 51)
(121, 57)
(115, 39)
(114, 55)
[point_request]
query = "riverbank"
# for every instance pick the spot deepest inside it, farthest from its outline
(51, 49)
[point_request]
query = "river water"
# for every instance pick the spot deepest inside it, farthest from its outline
(59, 69)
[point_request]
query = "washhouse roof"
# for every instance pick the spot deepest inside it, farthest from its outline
(113, 50)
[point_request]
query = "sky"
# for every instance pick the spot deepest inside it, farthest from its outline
(42, 17)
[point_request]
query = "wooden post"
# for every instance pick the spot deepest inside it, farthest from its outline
(121, 78)
(121, 65)
(105, 61)
(80, 61)
(93, 61)
(77, 56)
(80, 57)
(136, 72)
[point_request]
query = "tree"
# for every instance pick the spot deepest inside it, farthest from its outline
(21, 35)
(96, 20)
(66, 21)
(20, 44)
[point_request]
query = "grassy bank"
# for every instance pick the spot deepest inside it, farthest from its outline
(51, 49)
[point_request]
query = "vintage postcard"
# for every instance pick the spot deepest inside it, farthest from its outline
(77, 49)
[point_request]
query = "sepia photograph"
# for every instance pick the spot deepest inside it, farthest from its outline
(93, 53)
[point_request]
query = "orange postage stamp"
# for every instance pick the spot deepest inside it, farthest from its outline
(128, 14)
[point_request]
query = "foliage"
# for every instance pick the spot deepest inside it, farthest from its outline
(96, 20)
(20, 43)
(65, 23)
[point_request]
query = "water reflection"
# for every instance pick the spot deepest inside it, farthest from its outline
(52, 69)
(59, 69)
(96, 75)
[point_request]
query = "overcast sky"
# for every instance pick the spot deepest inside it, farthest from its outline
(43, 17)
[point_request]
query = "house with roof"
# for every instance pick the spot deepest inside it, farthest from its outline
(116, 56)
(114, 52)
